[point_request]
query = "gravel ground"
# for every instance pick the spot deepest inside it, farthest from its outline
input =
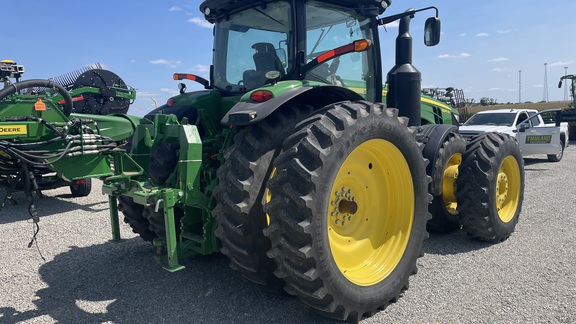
(87, 279)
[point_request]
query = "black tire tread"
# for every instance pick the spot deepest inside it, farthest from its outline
(81, 189)
(163, 161)
(240, 194)
(476, 185)
(133, 216)
(442, 221)
(294, 189)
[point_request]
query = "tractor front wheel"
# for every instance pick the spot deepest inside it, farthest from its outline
(491, 187)
(349, 209)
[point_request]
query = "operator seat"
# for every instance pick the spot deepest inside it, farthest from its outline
(265, 60)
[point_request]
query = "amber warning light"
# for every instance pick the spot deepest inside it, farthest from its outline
(356, 46)
(184, 76)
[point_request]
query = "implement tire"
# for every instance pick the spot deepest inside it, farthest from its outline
(241, 193)
(491, 187)
(81, 188)
(133, 216)
(445, 173)
(349, 209)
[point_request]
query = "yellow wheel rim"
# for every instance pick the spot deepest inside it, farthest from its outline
(449, 183)
(370, 212)
(268, 195)
(508, 189)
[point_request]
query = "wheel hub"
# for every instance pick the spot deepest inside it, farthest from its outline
(502, 185)
(449, 183)
(343, 206)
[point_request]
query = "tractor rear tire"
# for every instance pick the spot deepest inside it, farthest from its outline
(133, 216)
(81, 189)
(241, 193)
(445, 173)
(491, 187)
(349, 209)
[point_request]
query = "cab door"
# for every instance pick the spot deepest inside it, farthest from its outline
(537, 140)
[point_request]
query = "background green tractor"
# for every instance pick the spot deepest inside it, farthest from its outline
(289, 162)
(569, 115)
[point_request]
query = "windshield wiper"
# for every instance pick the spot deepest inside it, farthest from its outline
(321, 38)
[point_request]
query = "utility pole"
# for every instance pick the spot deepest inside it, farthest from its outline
(545, 97)
(519, 86)
(565, 84)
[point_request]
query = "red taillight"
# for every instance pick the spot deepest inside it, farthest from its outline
(74, 99)
(170, 102)
(261, 95)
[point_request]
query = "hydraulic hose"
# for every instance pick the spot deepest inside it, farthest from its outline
(15, 87)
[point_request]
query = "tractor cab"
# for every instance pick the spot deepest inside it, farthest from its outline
(295, 40)
(320, 51)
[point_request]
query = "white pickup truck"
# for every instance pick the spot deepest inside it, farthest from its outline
(536, 132)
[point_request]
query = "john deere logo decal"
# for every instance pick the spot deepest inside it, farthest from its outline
(13, 130)
(538, 139)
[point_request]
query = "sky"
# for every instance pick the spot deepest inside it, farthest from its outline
(511, 51)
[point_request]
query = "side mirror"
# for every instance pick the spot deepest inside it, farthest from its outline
(432, 31)
(522, 128)
(560, 84)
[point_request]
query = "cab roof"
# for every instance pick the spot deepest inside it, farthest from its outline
(220, 8)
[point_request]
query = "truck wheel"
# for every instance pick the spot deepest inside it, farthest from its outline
(557, 157)
(491, 187)
(81, 188)
(349, 210)
(445, 172)
(241, 193)
(133, 216)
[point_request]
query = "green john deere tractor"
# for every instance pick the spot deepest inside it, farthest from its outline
(288, 162)
(569, 115)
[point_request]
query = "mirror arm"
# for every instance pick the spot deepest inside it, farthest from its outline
(389, 19)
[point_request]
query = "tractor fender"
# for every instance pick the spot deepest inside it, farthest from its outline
(249, 112)
(433, 136)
